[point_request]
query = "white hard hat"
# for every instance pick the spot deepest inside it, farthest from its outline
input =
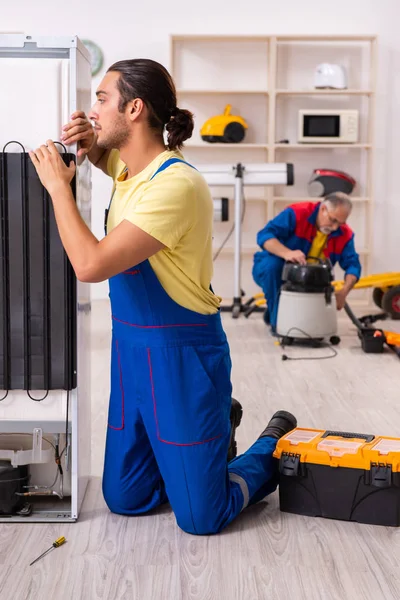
(328, 75)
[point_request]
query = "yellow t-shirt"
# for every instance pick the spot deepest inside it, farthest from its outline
(176, 208)
(317, 246)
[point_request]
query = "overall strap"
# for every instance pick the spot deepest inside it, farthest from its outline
(107, 210)
(168, 163)
(164, 166)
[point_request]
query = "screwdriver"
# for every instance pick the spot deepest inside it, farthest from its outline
(59, 542)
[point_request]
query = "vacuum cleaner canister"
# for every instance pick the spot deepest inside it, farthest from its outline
(307, 304)
(306, 278)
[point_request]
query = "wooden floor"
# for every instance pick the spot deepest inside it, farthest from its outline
(264, 554)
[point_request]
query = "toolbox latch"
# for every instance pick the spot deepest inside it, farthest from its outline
(290, 465)
(381, 475)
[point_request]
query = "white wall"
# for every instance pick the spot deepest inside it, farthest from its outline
(141, 29)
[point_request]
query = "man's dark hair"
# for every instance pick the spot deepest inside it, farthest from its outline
(149, 80)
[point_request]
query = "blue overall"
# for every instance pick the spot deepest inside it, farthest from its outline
(295, 227)
(168, 423)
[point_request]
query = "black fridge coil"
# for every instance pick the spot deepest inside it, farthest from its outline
(37, 284)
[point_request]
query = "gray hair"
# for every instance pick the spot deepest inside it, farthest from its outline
(337, 199)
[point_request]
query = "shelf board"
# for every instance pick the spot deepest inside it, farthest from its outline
(232, 200)
(220, 92)
(220, 38)
(266, 38)
(315, 92)
(307, 199)
(313, 146)
(325, 38)
(263, 200)
(221, 145)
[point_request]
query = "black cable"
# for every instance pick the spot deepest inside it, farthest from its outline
(231, 230)
(286, 357)
(26, 284)
(58, 459)
(66, 426)
(5, 275)
(37, 399)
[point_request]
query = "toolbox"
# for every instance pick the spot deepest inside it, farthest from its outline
(337, 475)
(372, 340)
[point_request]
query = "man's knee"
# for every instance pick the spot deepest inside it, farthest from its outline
(133, 500)
(269, 269)
(199, 522)
(274, 266)
(117, 500)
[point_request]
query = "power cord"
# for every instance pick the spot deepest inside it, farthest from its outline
(66, 426)
(325, 345)
(231, 230)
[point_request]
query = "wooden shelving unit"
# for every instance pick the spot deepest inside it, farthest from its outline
(226, 146)
(319, 146)
(321, 92)
(267, 79)
(219, 92)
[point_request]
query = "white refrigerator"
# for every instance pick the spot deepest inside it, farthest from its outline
(43, 81)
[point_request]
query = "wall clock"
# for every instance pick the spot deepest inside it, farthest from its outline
(96, 56)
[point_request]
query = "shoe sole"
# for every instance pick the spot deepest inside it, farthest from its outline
(237, 419)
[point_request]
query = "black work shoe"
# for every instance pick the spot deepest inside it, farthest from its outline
(236, 417)
(281, 423)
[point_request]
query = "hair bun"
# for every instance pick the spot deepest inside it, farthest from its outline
(179, 127)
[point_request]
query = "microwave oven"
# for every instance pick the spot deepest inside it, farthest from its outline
(328, 126)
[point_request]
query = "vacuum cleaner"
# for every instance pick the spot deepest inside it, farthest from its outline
(307, 303)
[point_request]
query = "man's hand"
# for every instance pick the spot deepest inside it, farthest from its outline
(296, 256)
(341, 295)
(340, 299)
(79, 129)
(53, 172)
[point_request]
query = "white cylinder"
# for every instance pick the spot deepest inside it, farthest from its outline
(306, 315)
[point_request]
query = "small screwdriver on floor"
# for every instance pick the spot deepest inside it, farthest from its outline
(59, 542)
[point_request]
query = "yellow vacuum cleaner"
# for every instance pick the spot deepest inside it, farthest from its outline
(226, 128)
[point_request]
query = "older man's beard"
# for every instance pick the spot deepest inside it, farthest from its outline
(118, 136)
(325, 230)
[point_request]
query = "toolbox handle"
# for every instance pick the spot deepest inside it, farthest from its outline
(348, 434)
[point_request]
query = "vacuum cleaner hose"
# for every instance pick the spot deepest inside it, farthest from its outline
(353, 317)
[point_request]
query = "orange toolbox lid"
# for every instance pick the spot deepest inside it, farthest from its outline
(339, 449)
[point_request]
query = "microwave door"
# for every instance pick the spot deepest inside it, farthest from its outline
(320, 128)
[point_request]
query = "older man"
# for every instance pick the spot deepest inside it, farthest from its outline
(303, 231)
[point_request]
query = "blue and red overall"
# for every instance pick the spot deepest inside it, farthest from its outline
(295, 227)
(168, 424)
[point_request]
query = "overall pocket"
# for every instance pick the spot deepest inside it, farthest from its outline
(191, 391)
